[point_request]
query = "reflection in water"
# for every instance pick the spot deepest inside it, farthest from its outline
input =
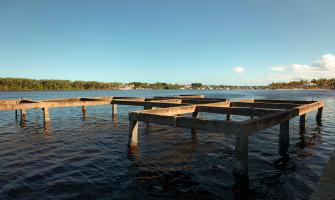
(47, 128)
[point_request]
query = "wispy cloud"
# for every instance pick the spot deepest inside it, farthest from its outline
(239, 70)
(322, 68)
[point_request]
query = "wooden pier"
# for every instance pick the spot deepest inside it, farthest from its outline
(172, 111)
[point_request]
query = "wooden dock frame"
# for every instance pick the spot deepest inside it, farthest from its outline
(170, 110)
(264, 114)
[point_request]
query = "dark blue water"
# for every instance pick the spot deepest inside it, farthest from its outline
(78, 157)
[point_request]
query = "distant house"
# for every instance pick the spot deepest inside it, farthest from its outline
(310, 85)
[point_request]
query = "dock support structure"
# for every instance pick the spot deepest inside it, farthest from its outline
(114, 111)
(195, 115)
(83, 109)
(228, 117)
(23, 114)
(302, 122)
(319, 115)
(46, 115)
(133, 134)
(241, 154)
(284, 139)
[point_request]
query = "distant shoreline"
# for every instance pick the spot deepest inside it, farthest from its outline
(153, 89)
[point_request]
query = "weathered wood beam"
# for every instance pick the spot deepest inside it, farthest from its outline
(237, 110)
(264, 105)
(208, 125)
(153, 118)
(303, 109)
(170, 111)
(258, 124)
(282, 101)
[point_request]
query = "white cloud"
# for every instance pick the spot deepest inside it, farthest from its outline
(278, 68)
(322, 68)
(239, 70)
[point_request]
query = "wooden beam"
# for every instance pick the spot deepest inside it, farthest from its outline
(208, 125)
(170, 111)
(264, 105)
(152, 118)
(237, 110)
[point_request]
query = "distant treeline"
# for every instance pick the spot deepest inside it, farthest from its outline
(315, 83)
(31, 84)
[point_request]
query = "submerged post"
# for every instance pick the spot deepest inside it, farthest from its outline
(319, 114)
(133, 133)
(284, 138)
(46, 115)
(302, 121)
(114, 111)
(241, 154)
(195, 115)
(23, 114)
(228, 117)
(83, 109)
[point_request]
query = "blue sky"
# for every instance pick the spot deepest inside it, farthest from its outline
(182, 41)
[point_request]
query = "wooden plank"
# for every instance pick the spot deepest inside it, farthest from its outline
(153, 118)
(258, 124)
(264, 105)
(209, 125)
(282, 101)
(170, 111)
(237, 110)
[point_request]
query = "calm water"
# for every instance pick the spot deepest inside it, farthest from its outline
(87, 158)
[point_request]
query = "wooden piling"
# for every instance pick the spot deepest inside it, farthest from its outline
(23, 114)
(302, 122)
(46, 115)
(114, 111)
(241, 154)
(194, 115)
(228, 117)
(83, 109)
(284, 139)
(133, 134)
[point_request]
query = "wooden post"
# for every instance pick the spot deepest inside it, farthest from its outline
(302, 121)
(284, 139)
(228, 117)
(195, 115)
(241, 154)
(16, 115)
(83, 109)
(319, 114)
(23, 114)
(133, 134)
(114, 111)
(46, 115)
